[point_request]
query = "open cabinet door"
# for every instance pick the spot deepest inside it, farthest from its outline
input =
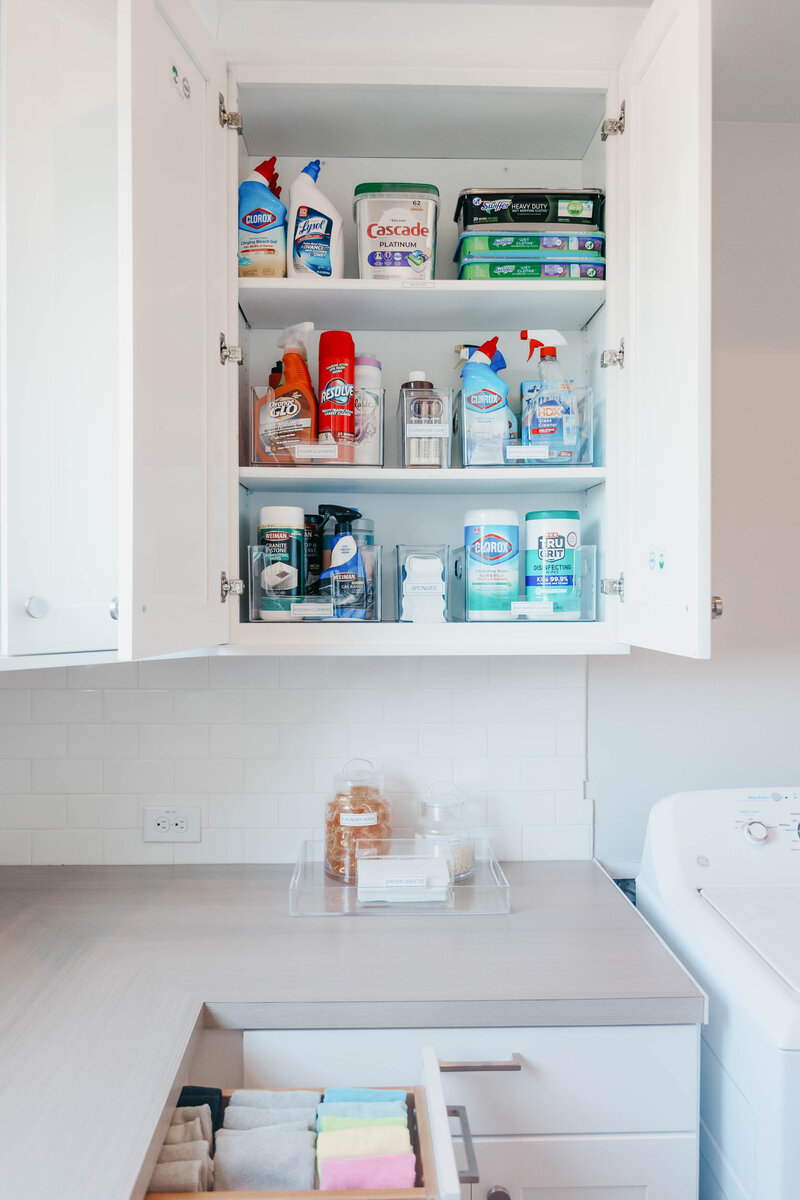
(664, 179)
(173, 299)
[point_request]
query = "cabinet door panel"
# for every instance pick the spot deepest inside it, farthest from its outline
(611, 1167)
(173, 298)
(58, 327)
(664, 179)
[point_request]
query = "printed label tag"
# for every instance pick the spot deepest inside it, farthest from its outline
(531, 608)
(436, 429)
(358, 818)
(419, 283)
(525, 452)
(309, 609)
(404, 881)
(321, 450)
(424, 589)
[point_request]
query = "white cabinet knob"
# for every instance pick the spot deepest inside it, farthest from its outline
(37, 607)
(756, 831)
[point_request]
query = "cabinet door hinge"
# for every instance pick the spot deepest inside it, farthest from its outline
(228, 353)
(614, 587)
(229, 587)
(716, 608)
(611, 125)
(614, 358)
(229, 120)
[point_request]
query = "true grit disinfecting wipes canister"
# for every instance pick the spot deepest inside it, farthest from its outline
(396, 230)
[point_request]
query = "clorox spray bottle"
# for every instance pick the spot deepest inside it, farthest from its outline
(316, 242)
(262, 225)
(489, 424)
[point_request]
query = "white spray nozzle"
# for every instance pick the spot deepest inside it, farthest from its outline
(295, 337)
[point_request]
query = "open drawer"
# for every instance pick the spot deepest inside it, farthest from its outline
(438, 1177)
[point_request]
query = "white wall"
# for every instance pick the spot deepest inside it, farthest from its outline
(659, 724)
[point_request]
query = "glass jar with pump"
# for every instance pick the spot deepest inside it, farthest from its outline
(444, 820)
(358, 812)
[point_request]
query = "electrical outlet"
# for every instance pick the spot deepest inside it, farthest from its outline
(172, 824)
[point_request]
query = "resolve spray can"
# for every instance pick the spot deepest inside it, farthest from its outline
(337, 413)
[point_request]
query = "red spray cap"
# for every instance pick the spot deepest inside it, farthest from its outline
(547, 352)
(534, 343)
(267, 169)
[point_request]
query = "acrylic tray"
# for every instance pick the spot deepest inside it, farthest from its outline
(313, 894)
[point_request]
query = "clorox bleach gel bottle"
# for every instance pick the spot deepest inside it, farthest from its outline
(262, 225)
(316, 241)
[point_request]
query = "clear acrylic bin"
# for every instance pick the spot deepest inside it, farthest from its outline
(341, 600)
(367, 450)
(576, 601)
(547, 437)
(312, 894)
(423, 575)
(426, 427)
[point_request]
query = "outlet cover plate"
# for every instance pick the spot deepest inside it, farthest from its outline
(181, 823)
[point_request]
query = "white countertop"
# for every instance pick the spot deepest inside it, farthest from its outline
(105, 972)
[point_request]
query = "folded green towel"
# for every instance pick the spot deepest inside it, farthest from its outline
(360, 1143)
(330, 1124)
(394, 1108)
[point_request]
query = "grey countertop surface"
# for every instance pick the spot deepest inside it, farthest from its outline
(105, 971)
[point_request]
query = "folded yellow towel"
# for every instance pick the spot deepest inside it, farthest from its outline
(328, 1124)
(370, 1141)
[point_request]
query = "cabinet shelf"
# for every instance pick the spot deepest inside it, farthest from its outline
(390, 480)
(438, 304)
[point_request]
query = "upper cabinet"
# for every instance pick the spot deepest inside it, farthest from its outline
(189, 496)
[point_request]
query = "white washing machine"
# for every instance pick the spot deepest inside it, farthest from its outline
(720, 881)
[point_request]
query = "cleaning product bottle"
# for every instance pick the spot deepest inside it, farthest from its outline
(316, 239)
(337, 411)
(345, 580)
(262, 225)
(286, 419)
(487, 419)
(550, 417)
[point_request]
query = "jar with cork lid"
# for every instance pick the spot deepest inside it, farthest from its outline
(358, 812)
(443, 821)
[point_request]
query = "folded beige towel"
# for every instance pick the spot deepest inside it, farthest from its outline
(188, 1176)
(189, 1131)
(184, 1151)
(258, 1098)
(244, 1117)
(182, 1116)
(369, 1141)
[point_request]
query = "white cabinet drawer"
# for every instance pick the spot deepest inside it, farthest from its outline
(608, 1079)
(605, 1167)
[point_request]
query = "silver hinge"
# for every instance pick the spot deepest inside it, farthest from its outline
(613, 587)
(716, 608)
(614, 358)
(229, 587)
(228, 353)
(229, 120)
(611, 125)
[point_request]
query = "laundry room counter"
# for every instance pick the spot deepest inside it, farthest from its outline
(107, 973)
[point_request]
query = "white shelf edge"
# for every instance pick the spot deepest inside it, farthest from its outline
(455, 481)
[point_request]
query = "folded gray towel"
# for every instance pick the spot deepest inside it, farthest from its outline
(264, 1160)
(257, 1098)
(189, 1131)
(188, 1176)
(184, 1151)
(182, 1116)
(242, 1117)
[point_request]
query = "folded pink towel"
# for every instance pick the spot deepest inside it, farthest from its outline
(380, 1171)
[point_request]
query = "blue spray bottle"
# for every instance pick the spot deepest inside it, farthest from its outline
(488, 423)
(345, 580)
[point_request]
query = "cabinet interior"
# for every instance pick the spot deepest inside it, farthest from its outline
(454, 137)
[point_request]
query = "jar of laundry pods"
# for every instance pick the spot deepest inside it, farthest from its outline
(358, 812)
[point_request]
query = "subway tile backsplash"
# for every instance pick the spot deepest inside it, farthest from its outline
(255, 742)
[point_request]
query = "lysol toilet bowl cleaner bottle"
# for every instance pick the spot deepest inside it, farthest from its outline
(262, 225)
(491, 538)
(315, 231)
(345, 580)
(489, 424)
(550, 418)
(337, 412)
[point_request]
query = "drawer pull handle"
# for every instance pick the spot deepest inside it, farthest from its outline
(512, 1064)
(498, 1193)
(470, 1175)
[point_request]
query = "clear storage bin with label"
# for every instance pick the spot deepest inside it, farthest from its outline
(570, 596)
(423, 574)
(556, 426)
(426, 417)
(275, 595)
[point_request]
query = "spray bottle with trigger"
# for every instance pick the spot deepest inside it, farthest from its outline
(550, 419)
(345, 580)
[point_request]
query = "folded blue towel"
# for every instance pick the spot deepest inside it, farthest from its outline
(390, 1108)
(350, 1095)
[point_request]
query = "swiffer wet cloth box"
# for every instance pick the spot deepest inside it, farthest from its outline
(497, 268)
(521, 245)
(497, 206)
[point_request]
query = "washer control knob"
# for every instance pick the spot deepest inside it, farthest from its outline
(756, 831)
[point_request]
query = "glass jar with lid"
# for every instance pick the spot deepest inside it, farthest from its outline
(358, 812)
(444, 820)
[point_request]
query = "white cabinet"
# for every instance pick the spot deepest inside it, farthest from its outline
(187, 511)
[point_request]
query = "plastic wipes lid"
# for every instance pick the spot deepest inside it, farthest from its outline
(568, 514)
(401, 189)
(281, 516)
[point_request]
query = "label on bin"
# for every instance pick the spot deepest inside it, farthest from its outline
(404, 881)
(437, 429)
(358, 818)
(316, 450)
(308, 608)
(531, 608)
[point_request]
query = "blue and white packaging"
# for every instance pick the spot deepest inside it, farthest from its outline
(550, 421)
(491, 539)
(315, 238)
